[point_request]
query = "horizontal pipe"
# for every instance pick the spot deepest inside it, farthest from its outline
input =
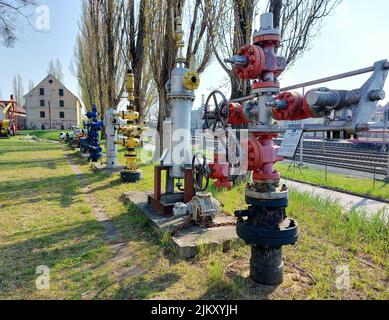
(306, 129)
(319, 81)
(243, 99)
(335, 77)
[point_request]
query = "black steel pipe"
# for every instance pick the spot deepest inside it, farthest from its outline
(266, 265)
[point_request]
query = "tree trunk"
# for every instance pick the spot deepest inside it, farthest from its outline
(276, 9)
(235, 90)
(138, 63)
(161, 118)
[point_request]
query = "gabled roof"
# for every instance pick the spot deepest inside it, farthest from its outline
(40, 83)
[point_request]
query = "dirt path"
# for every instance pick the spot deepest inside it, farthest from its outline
(110, 229)
(121, 252)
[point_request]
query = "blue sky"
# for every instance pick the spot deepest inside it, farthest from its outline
(32, 53)
(355, 36)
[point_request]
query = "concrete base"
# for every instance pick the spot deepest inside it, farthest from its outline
(189, 240)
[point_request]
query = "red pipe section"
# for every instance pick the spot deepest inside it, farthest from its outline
(297, 107)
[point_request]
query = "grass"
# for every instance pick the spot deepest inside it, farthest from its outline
(43, 134)
(356, 185)
(46, 219)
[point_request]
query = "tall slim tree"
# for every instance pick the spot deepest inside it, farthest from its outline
(298, 20)
(163, 51)
(111, 40)
(55, 68)
(137, 40)
(18, 89)
(30, 85)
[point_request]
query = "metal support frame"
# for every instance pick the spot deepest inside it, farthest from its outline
(165, 202)
(302, 148)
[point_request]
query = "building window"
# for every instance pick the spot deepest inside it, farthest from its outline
(42, 91)
(43, 115)
(62, 115)
(50, 81)
(61, 92)
(61, 103)
(42, 103)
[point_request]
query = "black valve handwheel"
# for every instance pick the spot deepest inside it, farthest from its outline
(200, 172)
(219, 113)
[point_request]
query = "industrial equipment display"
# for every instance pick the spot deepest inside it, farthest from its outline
(265, 224)
(180, 93)
(91, 144)
(73, 137)
(127, 124)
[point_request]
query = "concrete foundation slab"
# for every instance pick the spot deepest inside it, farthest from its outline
(188, 241)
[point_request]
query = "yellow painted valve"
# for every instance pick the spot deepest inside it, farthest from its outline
(132, 131)
(191, 80)
(130, 86)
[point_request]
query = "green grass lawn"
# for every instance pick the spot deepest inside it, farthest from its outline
(43, 134)
(46, 219)
(357, 185)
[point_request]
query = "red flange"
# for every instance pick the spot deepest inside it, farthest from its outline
(297, 107)
(275, 39)
(256, 60)
(220, 172)
(265, 84)
(236, 114)
(262, 153)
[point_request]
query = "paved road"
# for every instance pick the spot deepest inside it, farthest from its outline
(348, 202)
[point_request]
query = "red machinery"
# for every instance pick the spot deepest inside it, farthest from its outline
(265, 225)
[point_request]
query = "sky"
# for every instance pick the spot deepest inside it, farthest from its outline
(354, 36)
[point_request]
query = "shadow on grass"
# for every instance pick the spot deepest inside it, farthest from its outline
(237, 287)
(30, 147)
(62, 189)
(20, 260)
(145, 289)
(49, 164)
(88, 254)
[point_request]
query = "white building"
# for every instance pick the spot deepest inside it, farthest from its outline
(51, 106)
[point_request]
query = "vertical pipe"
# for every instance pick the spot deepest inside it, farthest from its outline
(386, 113)
(386, 121)
(111, 133)
(302, 148)
(326, 170)
(266, 265)
(387, 172)
(49, 115)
